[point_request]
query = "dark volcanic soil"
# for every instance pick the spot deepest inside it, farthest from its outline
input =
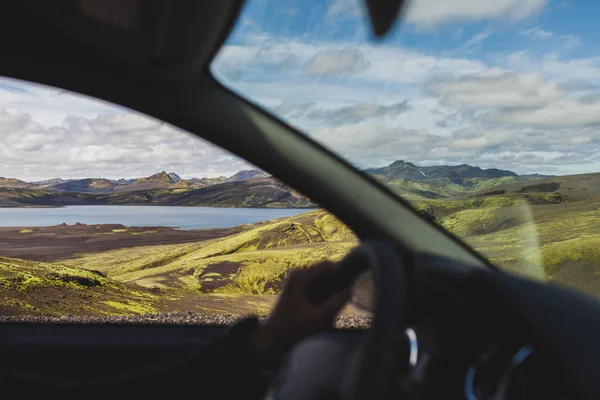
(60, 242)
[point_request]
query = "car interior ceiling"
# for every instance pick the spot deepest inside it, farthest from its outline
(465, 312)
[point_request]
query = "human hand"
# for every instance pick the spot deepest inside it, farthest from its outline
(295, 316)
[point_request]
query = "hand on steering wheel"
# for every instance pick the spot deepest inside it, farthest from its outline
(296, 316)
(327, 365)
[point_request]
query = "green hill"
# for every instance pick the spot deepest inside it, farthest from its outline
(544, 235)
(14, 183)
(221, 274)
(574, 187)
(89, 185)
(251, 262)
(37, 288)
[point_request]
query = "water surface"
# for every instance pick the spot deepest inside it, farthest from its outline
(179, 217)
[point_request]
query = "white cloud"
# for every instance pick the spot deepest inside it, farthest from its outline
(476, 40)
(461, 110)
(538, 32)
(566, 41)
(553, 67)
(374, 104)
(429, 13)
(50, 106)
(110, 146)
(527, 100)
(566, 113)
(341, 115)
(499, 90)
(336, 61)
(345, 9)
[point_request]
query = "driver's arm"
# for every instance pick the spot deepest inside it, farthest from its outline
(235, 363)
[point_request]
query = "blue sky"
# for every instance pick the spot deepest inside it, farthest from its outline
(510, 84)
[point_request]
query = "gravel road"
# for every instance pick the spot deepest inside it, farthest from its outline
(178, 318)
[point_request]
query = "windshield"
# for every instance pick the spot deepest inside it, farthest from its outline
(483, 115)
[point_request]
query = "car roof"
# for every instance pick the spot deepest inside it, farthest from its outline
(167, 39)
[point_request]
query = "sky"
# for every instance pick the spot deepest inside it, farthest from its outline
(512, 84)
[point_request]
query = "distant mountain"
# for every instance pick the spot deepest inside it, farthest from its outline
(123, 181)
(254, 188)
(14, 183)
(53, 181)
(174, 177)
(408, 170)
(247, 174)
(250, 193)
(162, 180)
(89, 185)
(204, 182)
(537, 176)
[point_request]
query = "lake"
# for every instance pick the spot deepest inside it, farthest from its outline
(179, 217)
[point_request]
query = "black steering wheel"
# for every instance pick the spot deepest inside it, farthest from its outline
(351, 367)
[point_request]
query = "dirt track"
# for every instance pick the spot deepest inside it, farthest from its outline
(52, 243)
(178, 318)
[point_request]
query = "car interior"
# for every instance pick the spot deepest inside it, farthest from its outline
(446, 322)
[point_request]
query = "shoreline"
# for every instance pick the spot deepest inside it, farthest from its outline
(158, 205)
(60, 242)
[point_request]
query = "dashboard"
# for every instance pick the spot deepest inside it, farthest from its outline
(504, 368)
(467, 334)
(480, 360)
(435, 360)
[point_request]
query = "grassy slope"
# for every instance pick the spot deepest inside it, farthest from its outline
(251, 262)
(549, 234)
(541, 235)
(564, 238)
(36, 288)
(221, 275)
(574, 187)
(443, 188)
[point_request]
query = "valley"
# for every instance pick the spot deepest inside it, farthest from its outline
(543, 227)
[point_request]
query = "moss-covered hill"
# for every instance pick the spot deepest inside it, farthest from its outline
(220, 275)
(544, 235)
(548, 229)
(37, 288)
(250, 262)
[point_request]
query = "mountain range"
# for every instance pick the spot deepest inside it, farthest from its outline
(161, 180)
(248, 188)
(407, 170)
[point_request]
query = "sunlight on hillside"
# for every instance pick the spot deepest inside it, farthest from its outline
(547, 229)
(202, 276)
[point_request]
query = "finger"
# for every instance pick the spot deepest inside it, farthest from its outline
(319, 268)
(334, 303)
(301, 277)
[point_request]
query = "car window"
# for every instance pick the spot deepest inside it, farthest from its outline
(483, 115)
(107, 212)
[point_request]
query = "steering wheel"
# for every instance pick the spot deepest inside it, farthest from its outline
(351, 367)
